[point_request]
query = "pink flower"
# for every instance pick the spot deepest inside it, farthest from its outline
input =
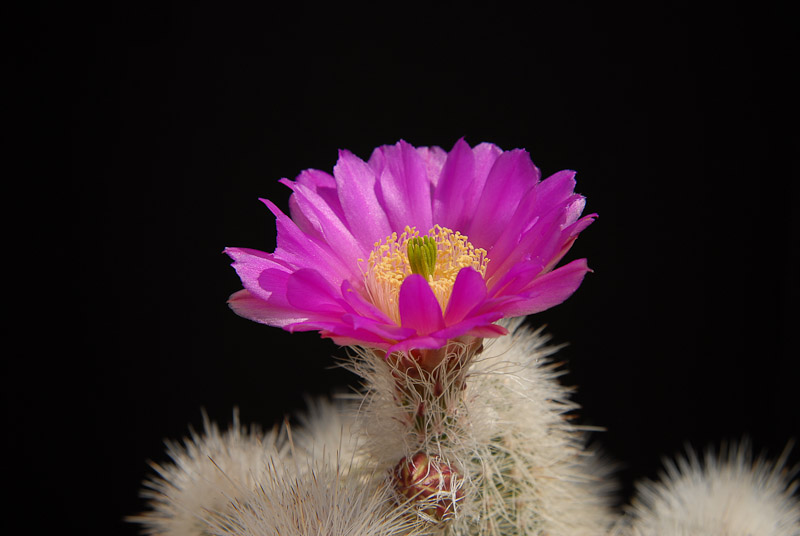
(415, 247)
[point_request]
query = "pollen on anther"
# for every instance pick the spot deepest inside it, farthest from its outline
(438, 256)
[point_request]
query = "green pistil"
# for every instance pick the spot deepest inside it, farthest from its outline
(422, 255)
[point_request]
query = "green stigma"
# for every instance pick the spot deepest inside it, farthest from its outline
(422, 256)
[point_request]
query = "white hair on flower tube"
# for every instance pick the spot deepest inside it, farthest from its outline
(727, 495)
(206, 471)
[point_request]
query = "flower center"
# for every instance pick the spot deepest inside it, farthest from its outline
(437, 256)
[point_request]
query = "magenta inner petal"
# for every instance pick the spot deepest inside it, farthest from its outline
(388, 332)
(419, 309)
(363, 307)
(469, 291)
(488, 331)
(472, 325)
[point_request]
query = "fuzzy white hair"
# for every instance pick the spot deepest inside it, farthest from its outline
(725, 495)
(312, 500)
(327, 429)
(207, 471)
(297, 482)
(532, 471)
(321, 488)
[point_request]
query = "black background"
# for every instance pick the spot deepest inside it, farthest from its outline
(149, 132)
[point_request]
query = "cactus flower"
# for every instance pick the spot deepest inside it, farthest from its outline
(415, 247)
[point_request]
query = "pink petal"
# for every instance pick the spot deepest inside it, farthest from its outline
(575, 209)
(252, 261)
(303, 251)
(512, 176)
(324, 185)
(571, 232)
(554, 190)
(250, 264)
(474, 325)
(516, 279)
(248, 306)
(488, 331)
(308, 290)
(460, 187)
(419, 309)
(537, 228)
(477, 326)
(469, 291)
(575, 228)
(537, 244)
(471, 189)
(363, 307)
(556, 232)
(325, 224)
(496, 304)
(434, 159)
(355, 182)
(388, 332)
(341, 333)
(405, 189)
(457, 175)
(550, 289)
(355, 339)
(486, 154)
(421, 343)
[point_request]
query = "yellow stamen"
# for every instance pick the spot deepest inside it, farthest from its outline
(437, 256)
